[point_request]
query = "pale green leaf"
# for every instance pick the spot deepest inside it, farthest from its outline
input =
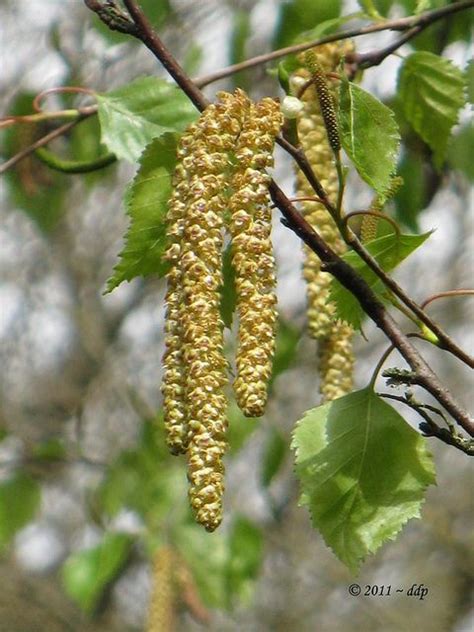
(19, 500)
(296, 16)
(363, 473)
(369, 7)
(369, 135)
(132, 116)
(147, 202)
(431, 93)
(469, 77)
(388, 251)
(86, 574)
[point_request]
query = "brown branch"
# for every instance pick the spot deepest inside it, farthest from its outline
(371, 305)
(422, 21)
(334, 264)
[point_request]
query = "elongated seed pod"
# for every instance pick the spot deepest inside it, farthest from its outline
(208, 161)
(252, 256)
(162, 598)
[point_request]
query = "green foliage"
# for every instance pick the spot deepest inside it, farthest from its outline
(369, 7)
(19, 501)
(460, 151)
(146, 201)
(431, 92)
(241, 31)
(147, 480)
(224, 565)
(369, 135)
(363, 473)
(297, 16)
(388, 251)
(87, 574)
(410, 199)
(132, 116)
(34, 188)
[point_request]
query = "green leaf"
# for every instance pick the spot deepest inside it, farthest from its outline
(49, 450)
(388, 251)
(411, 198)
(431, 93)
(245, 558)
(224, 565)
(147, 202)
(132, 116)
(19, 501)
(369, 7)
(460, 151)
(369, 135)
(228, 291)
(148, 480)
(241, 31)
(86, 574)
(363, 473)
(273, 457)
(37, 190)
(297, 16)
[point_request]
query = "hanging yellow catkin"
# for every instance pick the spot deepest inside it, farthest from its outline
(252, 256)
(318, 136)
(369, 225)
(161, 609)
(220, 183)
(201, 264)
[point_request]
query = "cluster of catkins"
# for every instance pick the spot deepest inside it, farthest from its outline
(316, 136)
(220, 186)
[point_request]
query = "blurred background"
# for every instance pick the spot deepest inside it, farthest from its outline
(87, 490)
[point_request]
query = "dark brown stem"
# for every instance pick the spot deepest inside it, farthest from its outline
(401, 24)
(376, 57)
(145, 33)
(371, 306)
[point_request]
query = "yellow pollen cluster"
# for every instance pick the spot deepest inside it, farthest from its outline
(211, 155)
(252, 256)
(313, 136)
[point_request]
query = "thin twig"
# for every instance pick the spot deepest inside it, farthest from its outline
(44, 140)
(447, 294)
(401, 24)
(430, 428)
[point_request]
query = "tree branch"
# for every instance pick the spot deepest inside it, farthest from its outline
(401, 24)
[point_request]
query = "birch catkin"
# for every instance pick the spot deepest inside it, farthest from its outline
(221, 164)
(317, 131)
(252, 256)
